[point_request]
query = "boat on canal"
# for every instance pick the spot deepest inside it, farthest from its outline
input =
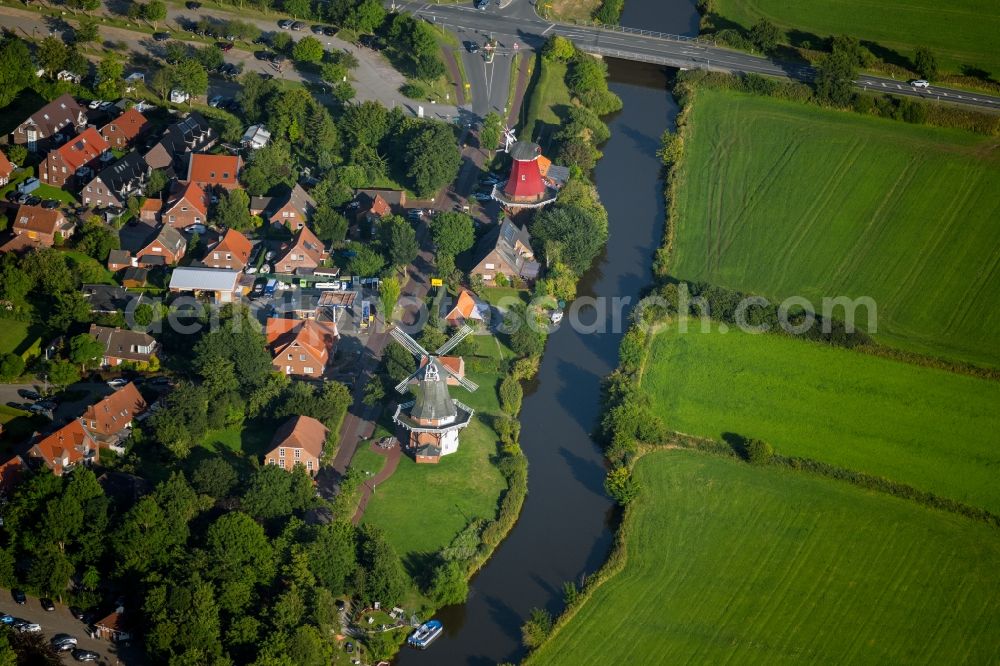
(425, 634)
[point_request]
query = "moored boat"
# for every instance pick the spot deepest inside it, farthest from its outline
(425, 634)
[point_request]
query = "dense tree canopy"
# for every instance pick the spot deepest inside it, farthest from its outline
(432, 158)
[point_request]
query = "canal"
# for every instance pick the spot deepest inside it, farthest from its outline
(565, 528)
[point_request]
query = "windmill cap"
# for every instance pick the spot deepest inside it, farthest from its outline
(525, 151)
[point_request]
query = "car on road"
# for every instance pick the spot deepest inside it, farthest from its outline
(117, 383)
(47, 605)
(63, 642)
(192, 5)
(482, 4)
(920, 83)
(85, 655)
(262, 55)
(26, 627)
(286, 24)
(161, 36)
(215, 101)
(28, 394)
(472, 47)
(298, 25)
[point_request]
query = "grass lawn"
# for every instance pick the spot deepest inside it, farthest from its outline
(547, 99)
(94, 268)
(959, 32)
(932, 429)
(367, 461)
(48, 192)
(733, 564)
(252, 441)
(17, 426)
(504, 295)
(13, 334)
(568, 10)
(784, 199)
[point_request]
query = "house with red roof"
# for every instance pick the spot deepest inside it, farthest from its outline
(63, 117)
(109, 420)
(125, 129)
(77, 157)
(149, 211)
(292, 209)
(232, 251)
(301, 347)
(65, 448)
(468, 309)
(299, 441)
(35, 226)
(11, 472)
(187, 205)
(214, 170)
(6, 168)
(166, 248)
(304, 252)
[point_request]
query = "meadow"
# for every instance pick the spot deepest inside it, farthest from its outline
(932, 429)
(727, 563)
(782, 199)
(959, 32)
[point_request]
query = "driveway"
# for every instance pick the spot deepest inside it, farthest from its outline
(60, 621)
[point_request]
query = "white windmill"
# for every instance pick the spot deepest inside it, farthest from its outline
(508, 138)
(433, 419)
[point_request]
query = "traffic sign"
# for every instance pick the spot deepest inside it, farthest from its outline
(437, 282)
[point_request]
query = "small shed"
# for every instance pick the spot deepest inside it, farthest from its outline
(222, 284)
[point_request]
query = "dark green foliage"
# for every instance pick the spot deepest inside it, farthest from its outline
(526, 338)
(268, 167)
(620, 485)
(765, 35)
(510, 395)
(449, 584)
(328, 403)
(536, 629)
(925, 63)
(757, 451)
(11, 367)
(431, 158)
(835, 76)
(214, 477)
(17, 72)
(382, 577)
(570, 235)
(610, 12)
(97, 240)
(366, 262)
(272, 492)
(332, 554)
(397, 363)
(399, 240)
(233, 210)
(183, 419)
(453, 233)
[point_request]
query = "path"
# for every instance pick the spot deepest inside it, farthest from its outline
(455, 73)
(522, 87)
(368, 488)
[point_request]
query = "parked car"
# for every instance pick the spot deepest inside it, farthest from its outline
(285, 24)
(117, 383)
(38, 408)
(225, 46)
(16, 405)
(159, 381)
(32, 200)
(192, 5)
(298, 25)
(368, 41)
(215, 101)
(63, 642)
(85, 655)
(50, 203)
(26, 627)
(76, 612)
(317, 30)
(47, 605)
(196, 229)
(920, 83)
(49, 405)
(262, 55)
(6, 619)
(330, 31)
(161, 36)
(28, 394)
(229, 69)
(94, 104)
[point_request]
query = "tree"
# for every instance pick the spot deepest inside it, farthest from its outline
(97, 240)
(62, 373)
(558, 48)
(757, 451)
(268, 494)
(925, 63)
(215, 477)
(835, 76)
(297, 8)
(85, 350)
(366, 16)
(48, 269)
(449, 584)
(389, 291)
(238, 547)
(158, 180)
(399, 240)
(191, 77)
(525, 340)
(453, 233)
(366, 262)
(329, 224)
(182, 421)
(398, 363)
(110, 77)
(511, 394)
(233, 210)
(18, 69)
(70, 307)
(85, 5)
(154, 11)
(52, 54)
(620, 485)
(210, 57)
(569, 234)
(11, 367)
(765, 35)
(307, 49)
(270, 166)
(174, 52)
(491, 132)
(536, 629)
(86, 31)
(333, 555)
(17, 153)
(432, 158)
(384, 578)
(333, 72)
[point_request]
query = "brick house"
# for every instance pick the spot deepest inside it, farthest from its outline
(123, 130)
(119, 259)
(186, 206)
(65, 448)
(78, 157)
(232, 251)
(60, 116)
(304, 252)
(468, 309)
(190, 134)
(6, 169)
(114, 184)
(168, 244)
(36, 226)
(150, 210)
(301, 347)
(293, 209)
(123, 345)
(506, 250)
(107, 420)
(299, 441)
(210, 171)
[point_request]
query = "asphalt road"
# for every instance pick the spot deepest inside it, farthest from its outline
(516, 21)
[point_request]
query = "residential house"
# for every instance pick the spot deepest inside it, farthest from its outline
(123, 130)
(78, 158)
(210, 171)
(187, 135)
(113, 628)
(299, 441)
(222, 284)
(186, 206)
(134, 277)
(109, 420)
(506, 250)
(6, 169)
(114, 184)
(303, 253)
(109, 299)
(36, 226)
(11, 472)
(65, 448)
(123, 345)
(259, 206)
(467, 309)
(149, 211)
(119, 259)
(293, 208)
(301, 347)
(394, 199)
(232, 252)
(62, 116)
(168, 244)
(256, 137)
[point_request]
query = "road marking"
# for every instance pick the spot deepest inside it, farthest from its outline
(548, 28)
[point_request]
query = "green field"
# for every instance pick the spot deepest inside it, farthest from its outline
(731, 564)
(783, 199)
(935, 430)
(13, 334)
(959, 32)
(546, 99)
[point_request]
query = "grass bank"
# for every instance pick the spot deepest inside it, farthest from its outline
(731, 563)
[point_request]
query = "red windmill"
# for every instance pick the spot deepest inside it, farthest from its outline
(525, 187)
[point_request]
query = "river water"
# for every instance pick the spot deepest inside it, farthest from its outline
(565, 528)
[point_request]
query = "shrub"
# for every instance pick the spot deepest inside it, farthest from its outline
(414, 90)
(525, 368)
(536, 629)
(620, 485)
(11, 367)
(757, 451)
(510, 395)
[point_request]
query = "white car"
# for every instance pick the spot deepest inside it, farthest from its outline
(215, 101)
(920, 83)
(117, 383)
(95, 104)
(196, 229)
(250, 270)
(30, 628)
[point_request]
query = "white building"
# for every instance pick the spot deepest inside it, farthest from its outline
(256, 137)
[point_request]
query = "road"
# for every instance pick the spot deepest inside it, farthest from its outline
(519, 21)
